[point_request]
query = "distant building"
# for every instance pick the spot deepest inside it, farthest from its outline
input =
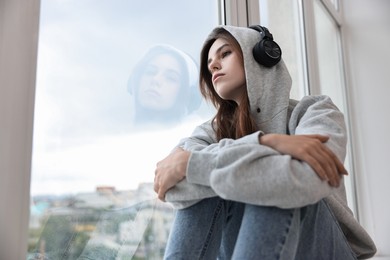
(111, 222)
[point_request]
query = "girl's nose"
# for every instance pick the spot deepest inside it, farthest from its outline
(156, 79)
(214, 66)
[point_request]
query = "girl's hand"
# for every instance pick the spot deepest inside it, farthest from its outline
(312, 150)
(170, 171)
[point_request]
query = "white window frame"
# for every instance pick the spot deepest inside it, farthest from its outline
(314, 80)
(19, 22)
(241, 13)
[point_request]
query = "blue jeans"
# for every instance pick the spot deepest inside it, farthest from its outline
(219, 229)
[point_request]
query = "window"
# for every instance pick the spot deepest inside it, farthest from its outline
(94, 147)
(331, 72)
(329, 55)
(309, 34)
(116, 87)
(284, 20)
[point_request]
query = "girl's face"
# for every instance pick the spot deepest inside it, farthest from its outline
(227, 70)
(160, 83)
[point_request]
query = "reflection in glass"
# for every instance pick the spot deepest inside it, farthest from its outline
(165, 86)
(111, 101)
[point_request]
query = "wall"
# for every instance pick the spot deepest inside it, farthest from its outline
(18, 45)
(367, 42)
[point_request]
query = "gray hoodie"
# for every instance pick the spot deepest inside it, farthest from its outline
(243, 170)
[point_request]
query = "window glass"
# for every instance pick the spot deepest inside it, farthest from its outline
(329, 54)
(331, 70)
(116, 88)
(283, 18)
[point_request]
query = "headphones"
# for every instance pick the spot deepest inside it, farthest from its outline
(266, 51)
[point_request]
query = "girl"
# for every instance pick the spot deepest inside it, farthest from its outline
(263, 178)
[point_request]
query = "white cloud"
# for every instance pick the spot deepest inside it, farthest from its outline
(120, 161)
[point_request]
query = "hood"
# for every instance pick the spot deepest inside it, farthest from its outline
(268, 88)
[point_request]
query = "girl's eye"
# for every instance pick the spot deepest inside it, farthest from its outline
(172, 77)
(225, 53)
(150, 70)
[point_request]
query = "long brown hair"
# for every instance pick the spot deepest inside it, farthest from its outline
(232, 120)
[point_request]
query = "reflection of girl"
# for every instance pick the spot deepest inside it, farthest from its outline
(164, 86)
(263, 179)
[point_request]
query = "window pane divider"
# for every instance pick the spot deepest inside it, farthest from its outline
(311, 47)
(236, 13)
(336, 14)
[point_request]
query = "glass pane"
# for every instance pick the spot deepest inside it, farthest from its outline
(283, 18)
(331, 69)
(329, 55)
(116, 87)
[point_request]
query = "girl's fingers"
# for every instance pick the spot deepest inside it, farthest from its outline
(161, 195)
(330, 167)
(338, 164)
(312, 150)
(322, 138)
(317, 167)
(324, 163)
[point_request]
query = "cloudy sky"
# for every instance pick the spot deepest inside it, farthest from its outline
(83, 133)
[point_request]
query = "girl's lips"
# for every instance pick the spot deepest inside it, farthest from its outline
(217, 76)
(153, 93)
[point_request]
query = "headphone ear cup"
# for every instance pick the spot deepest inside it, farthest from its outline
(267, 52)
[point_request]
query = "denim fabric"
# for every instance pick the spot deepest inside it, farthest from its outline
(219, 229)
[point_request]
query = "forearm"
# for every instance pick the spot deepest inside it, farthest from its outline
(246, 171)
(260, 175)
(186, 193)
(202, 142)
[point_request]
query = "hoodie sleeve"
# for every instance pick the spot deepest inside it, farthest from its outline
(202, 141)
(245, 171)
(256, 174)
